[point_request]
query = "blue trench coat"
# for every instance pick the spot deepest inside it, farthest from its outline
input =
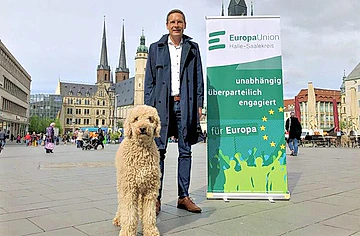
(157, 87)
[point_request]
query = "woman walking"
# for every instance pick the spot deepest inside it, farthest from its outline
(49, 142)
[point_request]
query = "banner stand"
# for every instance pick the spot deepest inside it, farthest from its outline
(246, 147)
(248, 196)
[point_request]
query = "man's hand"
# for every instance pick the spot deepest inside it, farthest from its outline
(201, 116)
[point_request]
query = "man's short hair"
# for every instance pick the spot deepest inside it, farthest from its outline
(175, 11)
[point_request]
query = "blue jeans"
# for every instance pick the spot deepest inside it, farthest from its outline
(184, 158)
(293, 145)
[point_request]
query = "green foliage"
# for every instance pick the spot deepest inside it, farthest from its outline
(343, 125)
(120, 124)
(38, 125)
(58, 125)
(114, 136)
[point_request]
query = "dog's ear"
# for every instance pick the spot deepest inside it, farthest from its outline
(127, 128)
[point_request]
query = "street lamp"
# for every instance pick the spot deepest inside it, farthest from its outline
(73, 116)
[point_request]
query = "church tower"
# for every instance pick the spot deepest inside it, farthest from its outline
(122, 72)
(237, 8)
(103, 69)
(140, 65)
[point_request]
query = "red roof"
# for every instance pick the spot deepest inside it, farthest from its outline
(321, 95)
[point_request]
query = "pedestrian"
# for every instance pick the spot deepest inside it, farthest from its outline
(293, 126)
(79, 139)
(27, 139)
(18, 138)
(174, 86)
(2, 139)
(100, 138)
(49, 143)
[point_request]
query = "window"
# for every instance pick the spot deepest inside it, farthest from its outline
(103, 112)
(97, 122)
(69, 111)
(98, 103)
(97, 112)
(78, 111)
(68, 121)
(103, 122)
(103, 103)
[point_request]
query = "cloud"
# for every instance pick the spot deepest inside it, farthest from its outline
(62, 39)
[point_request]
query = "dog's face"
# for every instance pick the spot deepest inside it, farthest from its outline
(142, 123)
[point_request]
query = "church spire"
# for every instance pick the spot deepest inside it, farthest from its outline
(142, 48)
(237, 8)
(103, 54)
(252, 9)
(222, 8)
(122, 72)
(122, 57)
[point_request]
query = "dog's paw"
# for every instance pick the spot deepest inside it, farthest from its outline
(151, 232)
(116, 221)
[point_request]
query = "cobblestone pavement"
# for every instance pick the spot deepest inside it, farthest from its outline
(72, 192)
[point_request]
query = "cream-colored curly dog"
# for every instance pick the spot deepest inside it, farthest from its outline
(138, 173)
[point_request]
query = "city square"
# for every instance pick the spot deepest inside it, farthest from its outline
(73, 192)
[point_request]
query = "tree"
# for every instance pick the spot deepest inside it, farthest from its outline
(39, 125)
(58, 125)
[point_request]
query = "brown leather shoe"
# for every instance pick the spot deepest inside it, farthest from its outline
(186, 203)
(158, 207)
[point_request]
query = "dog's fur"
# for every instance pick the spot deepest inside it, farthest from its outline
(138, 172)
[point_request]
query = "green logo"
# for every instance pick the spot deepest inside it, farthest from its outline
(216, 40)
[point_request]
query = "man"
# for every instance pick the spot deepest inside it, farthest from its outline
(293, 126)
(2, 139)
(174, 85)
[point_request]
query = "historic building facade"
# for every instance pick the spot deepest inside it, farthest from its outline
(323, 106)
(14, 94)
(86, 105)
(107, 103)
(350, 100)
(130, 92)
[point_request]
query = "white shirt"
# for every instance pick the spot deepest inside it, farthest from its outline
(175, 57)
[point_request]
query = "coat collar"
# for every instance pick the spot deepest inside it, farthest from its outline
(164, 39)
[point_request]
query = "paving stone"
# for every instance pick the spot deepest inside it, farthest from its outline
(83, 200)
(340, 201)
(73, 218)
(301, 214)
(345, 221)
(18, 227)
(320, 229)
(24, 214)
(71, 231)
(2, 211)
(197, 232)
(98, 228)
(249, 225)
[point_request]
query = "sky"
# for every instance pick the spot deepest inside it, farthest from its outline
(61, 39)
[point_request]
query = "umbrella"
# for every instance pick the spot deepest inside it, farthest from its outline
(312, 107)
(336, 116)
(297, 109)
(353, 109)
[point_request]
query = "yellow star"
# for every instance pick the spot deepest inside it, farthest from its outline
(271, 112)
(281, 109)
(262, 128)
(264, 119)
(282, 146)
(272, 144)
(265, 137)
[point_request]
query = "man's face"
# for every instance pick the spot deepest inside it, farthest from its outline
(176, 24)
